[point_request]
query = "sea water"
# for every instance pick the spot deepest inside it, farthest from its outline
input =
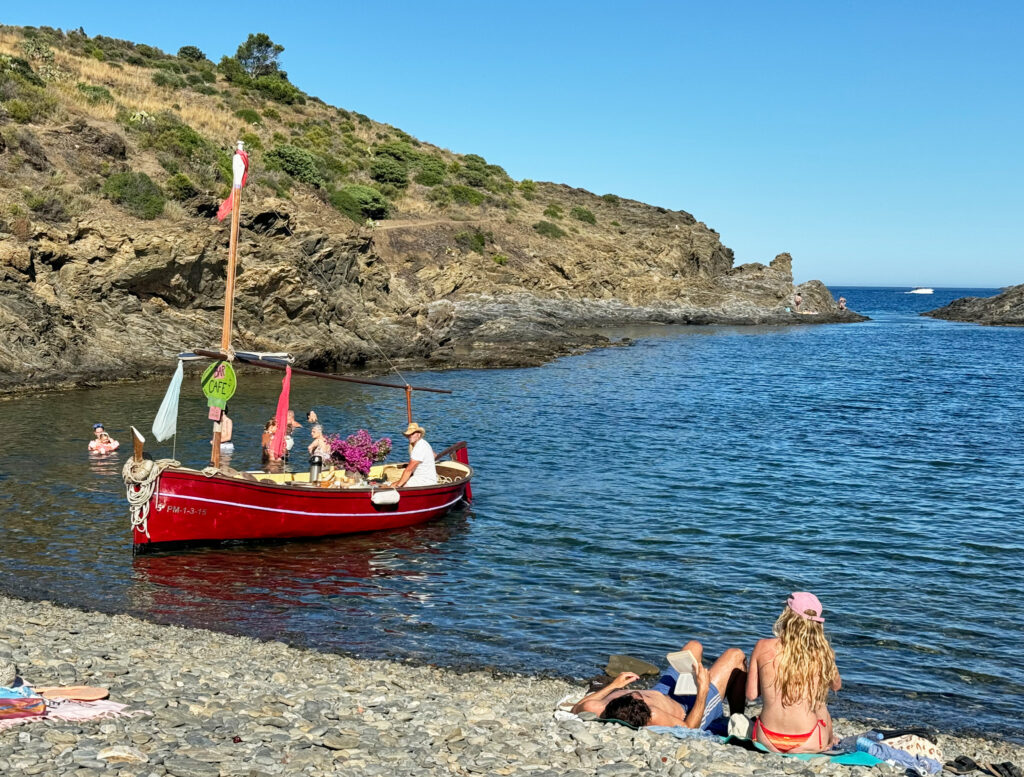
(626, 500)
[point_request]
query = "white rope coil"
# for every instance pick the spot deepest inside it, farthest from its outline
(140, 482)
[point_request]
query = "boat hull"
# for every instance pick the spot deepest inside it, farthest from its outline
(190, 507)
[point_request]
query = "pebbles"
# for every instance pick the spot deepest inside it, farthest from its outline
(215, 705)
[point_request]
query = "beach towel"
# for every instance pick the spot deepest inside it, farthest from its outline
(856, 758)
(64, 709)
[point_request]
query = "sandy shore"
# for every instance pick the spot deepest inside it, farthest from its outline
(215, 705)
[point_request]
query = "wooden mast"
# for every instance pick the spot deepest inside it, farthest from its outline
(238, 171)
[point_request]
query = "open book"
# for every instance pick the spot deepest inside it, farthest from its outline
(684, 663)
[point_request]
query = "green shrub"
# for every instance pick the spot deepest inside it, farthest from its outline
(396, 149)
(248, 115)
(548, 229)
(431, 171)
(553, 211)
(279, 90)
(500, 259)
(179, 187)
(18, 68)
(205, 89)
(466, 196)
(360, 203)
(136, 193)
(169, 80)
(615, 224)
(233, 71)
(611, 199)
(297, 162)
(528, 189)
(582, 214)
(271, 113)
(388, 170)
(473, 241)
(252, 141)
(95, 94)
(191, 53)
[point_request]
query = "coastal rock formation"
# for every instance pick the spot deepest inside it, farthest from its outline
(1005, 309)
(359, 244)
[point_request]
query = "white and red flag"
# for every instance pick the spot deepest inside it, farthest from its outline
(240, 170)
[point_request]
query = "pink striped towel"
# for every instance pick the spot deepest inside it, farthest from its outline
(64, 709)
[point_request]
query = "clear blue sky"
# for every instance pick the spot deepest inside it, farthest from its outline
(878, 142)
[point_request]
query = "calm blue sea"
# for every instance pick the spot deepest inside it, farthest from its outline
(626, 500)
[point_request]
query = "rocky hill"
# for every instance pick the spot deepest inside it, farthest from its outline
(1005, 309)
(357, 239)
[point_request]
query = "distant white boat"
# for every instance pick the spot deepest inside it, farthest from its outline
(920, 290)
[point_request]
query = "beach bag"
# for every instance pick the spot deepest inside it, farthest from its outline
(22, 707)
(916, 746)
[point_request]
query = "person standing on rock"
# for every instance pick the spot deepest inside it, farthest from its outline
(793, 673)
(660, 706)
(842, 303)
(797, 300)
(420, 470)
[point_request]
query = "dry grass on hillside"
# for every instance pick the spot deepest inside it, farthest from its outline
(132, 88)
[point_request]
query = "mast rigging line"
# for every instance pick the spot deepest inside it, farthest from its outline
(218, 356)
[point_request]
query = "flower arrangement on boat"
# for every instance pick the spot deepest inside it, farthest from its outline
(358, 451)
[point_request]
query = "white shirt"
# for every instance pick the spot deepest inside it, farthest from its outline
(425, 473)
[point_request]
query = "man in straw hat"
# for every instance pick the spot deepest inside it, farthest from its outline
(420, 470)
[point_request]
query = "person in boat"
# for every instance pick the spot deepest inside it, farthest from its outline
(793, 673)
(420, 470)
(102, 442)
(660, 706)
(269, 429)
(320, 446)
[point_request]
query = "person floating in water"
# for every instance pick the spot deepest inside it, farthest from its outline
(103, 442)
(793, 673)
(660, 706)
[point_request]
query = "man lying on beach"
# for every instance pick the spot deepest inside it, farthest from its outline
(661, 707)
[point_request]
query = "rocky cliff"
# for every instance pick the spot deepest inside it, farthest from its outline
(356, 240)
(1005, 309)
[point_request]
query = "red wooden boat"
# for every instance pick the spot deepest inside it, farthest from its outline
(188, 506)
(171, 504)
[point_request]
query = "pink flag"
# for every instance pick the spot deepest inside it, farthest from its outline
(240, 168)
(277, 444)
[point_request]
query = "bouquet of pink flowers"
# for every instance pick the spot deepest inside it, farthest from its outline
(358, 451)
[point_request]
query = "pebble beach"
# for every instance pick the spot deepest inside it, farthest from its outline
(205, 704)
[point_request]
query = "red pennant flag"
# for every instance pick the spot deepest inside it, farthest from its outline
(278, 444)
(240, 168)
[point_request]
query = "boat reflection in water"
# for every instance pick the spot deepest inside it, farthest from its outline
(318, 593)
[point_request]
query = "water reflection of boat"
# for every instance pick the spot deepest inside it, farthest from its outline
(170, 503)
(260, 586)
(920, 290)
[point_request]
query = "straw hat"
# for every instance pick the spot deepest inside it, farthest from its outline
(412, 428)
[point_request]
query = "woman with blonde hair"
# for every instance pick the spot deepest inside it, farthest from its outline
(793, 673)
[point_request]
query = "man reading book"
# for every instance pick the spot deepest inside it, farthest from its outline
(661, 706)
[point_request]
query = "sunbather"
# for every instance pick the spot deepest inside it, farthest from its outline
(793, 673)
(660, 707)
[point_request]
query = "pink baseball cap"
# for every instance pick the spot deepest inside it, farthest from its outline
(802, 603)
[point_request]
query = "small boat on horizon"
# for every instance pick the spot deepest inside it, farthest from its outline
(920, 290)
